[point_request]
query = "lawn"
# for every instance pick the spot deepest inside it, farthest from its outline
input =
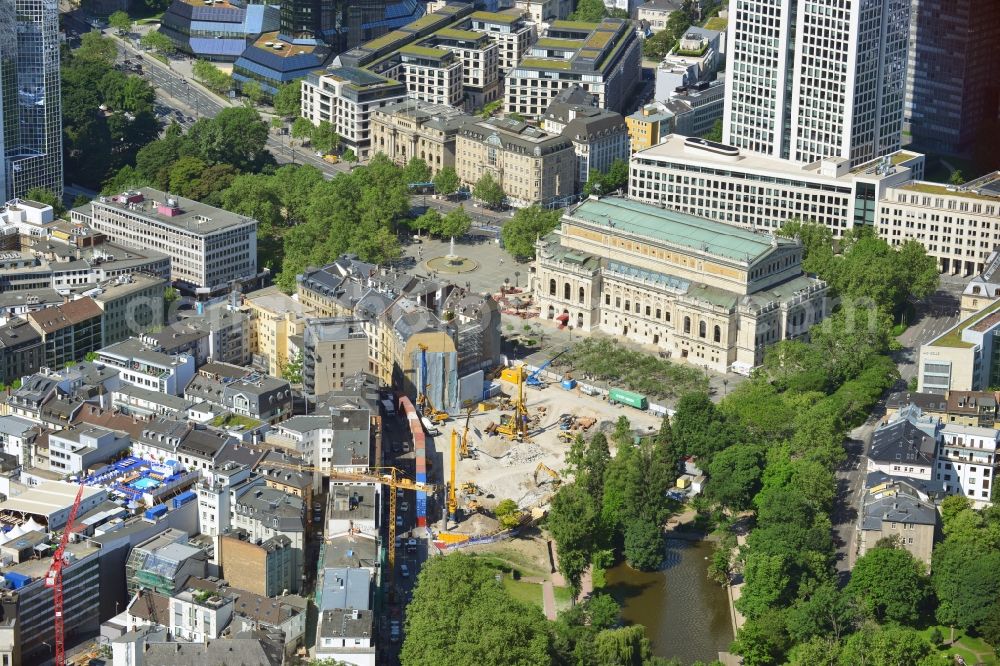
(564, 597)
(233, 420)
(973, 650)
(528, 592)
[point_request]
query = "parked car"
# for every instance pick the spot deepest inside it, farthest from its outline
(404, 507)
(404, 571)
(411, 545)
(399, 522)
(394, 631)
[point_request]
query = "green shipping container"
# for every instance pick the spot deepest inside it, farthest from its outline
(628, 398)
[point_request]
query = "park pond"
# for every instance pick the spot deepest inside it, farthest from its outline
(686, 615)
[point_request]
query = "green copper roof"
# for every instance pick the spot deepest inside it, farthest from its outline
(676, 228)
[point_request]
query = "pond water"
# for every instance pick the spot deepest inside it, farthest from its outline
(685, 614)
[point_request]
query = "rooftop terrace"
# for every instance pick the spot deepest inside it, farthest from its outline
(953, 338)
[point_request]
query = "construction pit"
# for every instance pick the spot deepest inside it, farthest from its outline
(504, 469)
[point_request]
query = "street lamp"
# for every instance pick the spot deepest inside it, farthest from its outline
(517, 274)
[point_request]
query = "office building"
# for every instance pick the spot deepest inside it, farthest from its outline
(602, 58)
(415, 129)
(431, 74)
(144, 365)
(220, 30)
(209, 248)
(814, 80)
(736, 186)
(509, 31)
(332, 350)
(966, 357)
(695, 60)
(31, 134)
(164, 562)
(22, 351)
(599, 137)
(265, 568)
(479, 56)
(532, 166)
(132, 304)
(958, 225)
(345, 97)
(953, 74)
(710, 294)
(264, 513)
(69, 332)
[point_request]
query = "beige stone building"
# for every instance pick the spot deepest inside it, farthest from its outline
(711, 294)
(958, 225)
(275, 317)
(892, 507)
(334, 349)
(417, 129)
(509, 30)
(532, 166)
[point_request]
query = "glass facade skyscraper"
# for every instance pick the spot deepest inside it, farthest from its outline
(30, 96)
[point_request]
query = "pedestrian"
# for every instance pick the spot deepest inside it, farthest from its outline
(501, 261)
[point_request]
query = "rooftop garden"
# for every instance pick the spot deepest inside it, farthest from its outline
(716, 23)
(937, 188)
(230, 420)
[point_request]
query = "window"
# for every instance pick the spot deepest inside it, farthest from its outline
(717, 335)
(552, 287)
(702, 329)
(581, 294)
(566, 291)
(687, 324)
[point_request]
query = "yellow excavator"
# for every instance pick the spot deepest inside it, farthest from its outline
(542, 467)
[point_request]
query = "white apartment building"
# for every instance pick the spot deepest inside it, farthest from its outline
(146, 367)
(809, 80)
(736, 186)
(78, 448)
(545, 11)
(509, 31)
(432, 74)
(197, 616)
(345, 98)
(958, 225)
(966, 461)
(209, 248)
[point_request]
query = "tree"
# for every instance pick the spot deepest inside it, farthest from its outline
(734, 475)
(643, 544)
(572, 521)
(252, 91)
(120, 21)
(416, 171)
(889, 584)
(884, 646)
(212, 77)
(236, 136)
(325, 139)
(97, 48)
(455, 223)
(489, 191)
(714, 134)
(627, 646)
(302, 128)
(46, 196)
(349, 156)
(460, 615)
(591, 11)
(527, 225)
(430, 221)
(658, 45)
(157, 41)
(699, 429)
(293, 369)
(966, 583)
(446, 181)
(956, 177)
(768, 584)
(508, 514)
(288, 99)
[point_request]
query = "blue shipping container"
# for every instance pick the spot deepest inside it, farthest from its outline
(156, 512)
(183, 498)
(16, 580)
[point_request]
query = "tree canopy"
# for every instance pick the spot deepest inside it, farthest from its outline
(488, 190)
(528, 224)
(446, 181)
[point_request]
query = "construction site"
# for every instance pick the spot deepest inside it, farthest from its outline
(513, 446)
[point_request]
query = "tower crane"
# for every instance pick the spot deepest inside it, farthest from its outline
(389, 476)
(54, 580)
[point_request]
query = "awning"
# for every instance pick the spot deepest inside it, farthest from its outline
(563, 317)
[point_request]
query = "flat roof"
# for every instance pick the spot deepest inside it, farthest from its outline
(926, 187)
(286, 50)
(953, 337)
(48, 497)
(495, 17)
(676, 228)
(190, 215)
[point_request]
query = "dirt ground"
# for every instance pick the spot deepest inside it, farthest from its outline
(528, 552)
(503, 469)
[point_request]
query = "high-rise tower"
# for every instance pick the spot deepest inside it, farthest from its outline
(953, 74)
(31, 97)
(809, 79)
